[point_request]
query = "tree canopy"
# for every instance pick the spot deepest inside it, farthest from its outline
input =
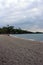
(11, 30)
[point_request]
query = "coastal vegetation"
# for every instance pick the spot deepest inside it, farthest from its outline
(12, 30)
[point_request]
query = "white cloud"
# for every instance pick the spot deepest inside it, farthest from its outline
(15, 11)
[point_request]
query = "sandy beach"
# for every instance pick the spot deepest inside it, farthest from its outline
(15, 51)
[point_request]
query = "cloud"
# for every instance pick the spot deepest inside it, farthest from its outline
(27, 14)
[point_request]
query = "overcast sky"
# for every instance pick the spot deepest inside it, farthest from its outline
(27, 14)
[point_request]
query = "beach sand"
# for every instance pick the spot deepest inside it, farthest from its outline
(15, 51)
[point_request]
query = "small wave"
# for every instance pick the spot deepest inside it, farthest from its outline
(32, 39)
(22, 38)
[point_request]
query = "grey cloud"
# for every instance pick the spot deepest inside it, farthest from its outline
(27, 17)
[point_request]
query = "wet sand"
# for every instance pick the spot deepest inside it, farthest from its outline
(15, 51)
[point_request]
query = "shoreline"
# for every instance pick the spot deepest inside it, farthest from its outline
(25, 39)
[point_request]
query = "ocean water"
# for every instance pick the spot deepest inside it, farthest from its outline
(34, 37)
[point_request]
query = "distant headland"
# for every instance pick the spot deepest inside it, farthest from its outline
(11, 30)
